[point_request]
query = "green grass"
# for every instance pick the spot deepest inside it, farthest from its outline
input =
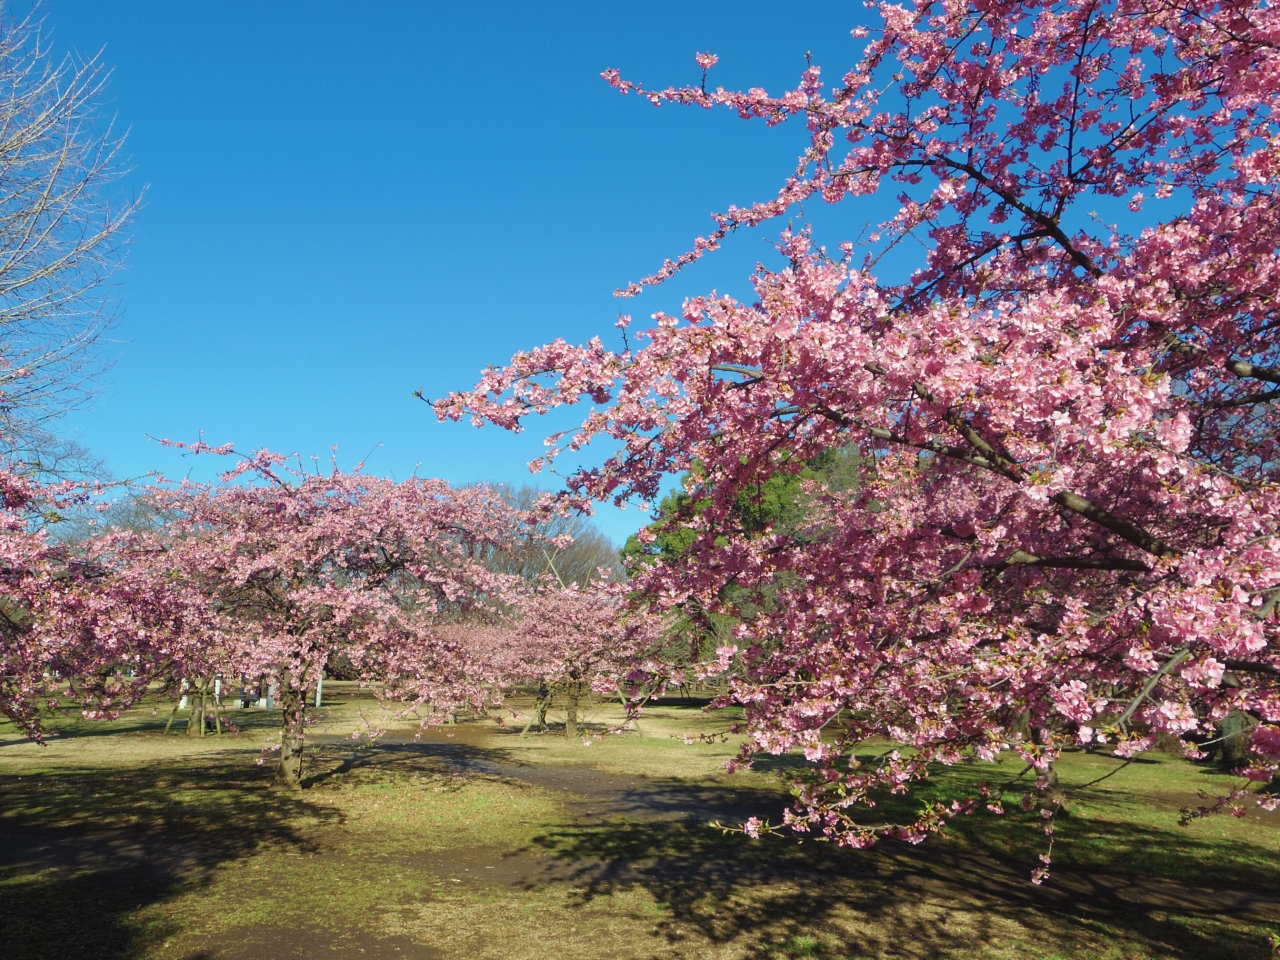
(119, 843)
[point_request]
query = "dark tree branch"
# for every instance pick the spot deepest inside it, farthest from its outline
(1022, 558)
(1248, 401)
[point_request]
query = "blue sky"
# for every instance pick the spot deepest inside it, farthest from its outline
(346, 202)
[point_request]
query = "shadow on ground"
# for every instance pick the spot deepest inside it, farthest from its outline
(1171, 894)
(774, 891)
(81, 851)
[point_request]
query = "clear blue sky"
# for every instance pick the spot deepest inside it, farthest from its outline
(346, 202)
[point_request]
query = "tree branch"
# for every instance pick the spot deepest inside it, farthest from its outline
(1022, 558)
(1250, 400)
(1169, 664)
(1241, 368)
(987, 457)
(1123, 528)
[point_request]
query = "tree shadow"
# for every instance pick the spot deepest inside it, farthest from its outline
(1091, 842)
(71, 727)
(82, 851)
(1170, 891)
(595, 793)
(762, 895)
(332, 760)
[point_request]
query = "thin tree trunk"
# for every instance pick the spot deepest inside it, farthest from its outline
(573, 693)
(293, 706)
(1055, 796)
(539, 715)
(177, 704)
(1235, 732)
(172, 715)
(217, 707)
(626, 705)
(195, 725)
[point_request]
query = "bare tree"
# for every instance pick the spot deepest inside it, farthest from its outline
(61, 235)
(578, 563)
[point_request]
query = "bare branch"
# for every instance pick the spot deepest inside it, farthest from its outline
(61, 232)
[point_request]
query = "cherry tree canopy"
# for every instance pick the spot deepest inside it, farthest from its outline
(26, 568)
(297, 568)
(1068, 528)
(575, 638)
(76, 623)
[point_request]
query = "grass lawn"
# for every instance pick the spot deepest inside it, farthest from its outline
(119, 842)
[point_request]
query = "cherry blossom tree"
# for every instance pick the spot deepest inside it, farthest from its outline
(1066, 530)
(76, 625)
(25, 568)
(300, 567)
(574, 639)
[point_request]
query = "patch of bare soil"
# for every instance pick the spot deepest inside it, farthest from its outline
(271, 942)
(593, 794)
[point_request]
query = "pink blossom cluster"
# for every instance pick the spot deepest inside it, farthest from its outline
(301, 568)
(72, 632)
(572, 634)
(1067, 522)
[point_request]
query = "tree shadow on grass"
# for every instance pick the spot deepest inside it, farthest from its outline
(332, 761)
(1113, 831)
(68, 728)
(82, 851)
(595, 793)
(938, 902)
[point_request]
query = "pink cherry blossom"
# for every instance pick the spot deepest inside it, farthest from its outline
(1068, 427)
(282, 570)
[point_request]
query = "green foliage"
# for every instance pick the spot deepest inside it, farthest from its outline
(779, 505)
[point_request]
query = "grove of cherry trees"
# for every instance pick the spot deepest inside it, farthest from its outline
(1064, 524)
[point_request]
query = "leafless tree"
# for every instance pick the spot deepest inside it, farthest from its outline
(61, 234)
(582, 561)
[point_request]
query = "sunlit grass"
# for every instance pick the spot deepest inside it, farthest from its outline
(176, 848)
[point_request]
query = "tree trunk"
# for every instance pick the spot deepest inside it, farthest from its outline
(172, 715)
(1055, 797)
(626, 706)
(293, 706)
(195, 725)
(1235, 731)
(572, 694)
(539, 715)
